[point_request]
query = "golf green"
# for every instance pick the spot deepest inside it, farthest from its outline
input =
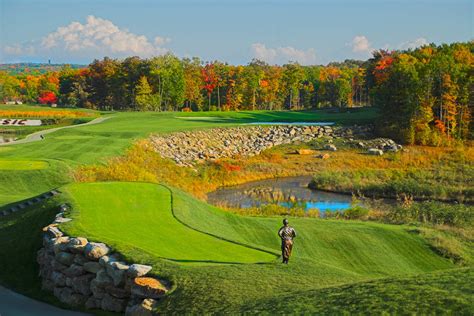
(140, 215)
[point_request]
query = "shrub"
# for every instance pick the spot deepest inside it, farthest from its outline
(356, 212)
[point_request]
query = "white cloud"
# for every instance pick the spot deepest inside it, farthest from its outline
(97, 37)
(17, 49)
(421, 41)
(360, 44)
(283, 54)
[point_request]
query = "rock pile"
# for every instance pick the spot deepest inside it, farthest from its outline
(84, 273)
(191, 147)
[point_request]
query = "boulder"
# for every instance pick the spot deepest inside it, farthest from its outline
(102, 278)
(53, 231)
(375, 152)
(145, 308)
(146, 287)
(80, 259)
(117, 292)
(106, 259)
(60, 244)
(82, 284)
(74, 270)
(65, 258)
(56, 266)
(76, 245)
(330, 147)
(113, 304)
(58, 279)
(92, 266)
(138, 270)
(117, 270)
(95, 250)
(97, 290)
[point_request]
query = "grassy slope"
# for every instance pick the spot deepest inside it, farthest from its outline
(118, 218)
(202, 288)
(327, 253)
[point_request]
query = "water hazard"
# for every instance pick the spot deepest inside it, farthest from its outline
(288, 192)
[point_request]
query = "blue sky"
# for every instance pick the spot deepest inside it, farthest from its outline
(310, 32)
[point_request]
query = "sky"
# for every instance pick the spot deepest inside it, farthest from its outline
(233, 31)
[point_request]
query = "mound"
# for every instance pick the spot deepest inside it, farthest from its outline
(139, 215)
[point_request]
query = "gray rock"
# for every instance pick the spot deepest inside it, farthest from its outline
(375, 152)
(58, 279)
(80, 259)
(97, 290)
(95, 250)
(74, 270)
(145, 308)
(330, 147)
(117, 270)
(76, 245)
(138, 270)
(102, 278)
(106, 259)
(65, 258)
(112, 304)
(82, 284)
(60, 244)
(55, 265)
(117, 292)
(92, 266)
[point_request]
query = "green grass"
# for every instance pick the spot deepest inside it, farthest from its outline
(22, 165)
(327, 253)
(96, 143)
(118, 218)
(338, 266)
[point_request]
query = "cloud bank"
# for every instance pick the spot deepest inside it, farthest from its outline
(282, 55)
(96, 37)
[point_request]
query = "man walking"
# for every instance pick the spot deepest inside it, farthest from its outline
(286, 233)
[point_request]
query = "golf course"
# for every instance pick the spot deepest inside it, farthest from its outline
(215, 260)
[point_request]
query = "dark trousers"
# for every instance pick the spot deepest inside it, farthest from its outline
(286, 247)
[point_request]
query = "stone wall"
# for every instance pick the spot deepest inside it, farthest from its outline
(86, 274)
(191, 147)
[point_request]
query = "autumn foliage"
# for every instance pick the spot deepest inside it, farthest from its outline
(47, 97)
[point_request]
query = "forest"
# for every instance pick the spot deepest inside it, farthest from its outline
(424, 95)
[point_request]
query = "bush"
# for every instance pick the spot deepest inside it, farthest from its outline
(356, 212)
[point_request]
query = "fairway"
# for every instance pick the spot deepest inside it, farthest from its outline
(22, 164)
(139, 215)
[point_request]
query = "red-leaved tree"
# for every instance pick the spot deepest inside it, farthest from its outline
(47, 97)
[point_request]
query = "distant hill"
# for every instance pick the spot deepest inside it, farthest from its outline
(35, 68)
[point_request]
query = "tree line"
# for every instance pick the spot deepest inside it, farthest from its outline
(424, 95)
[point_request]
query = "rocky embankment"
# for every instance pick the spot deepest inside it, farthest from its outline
(88, 274)
(191, 147)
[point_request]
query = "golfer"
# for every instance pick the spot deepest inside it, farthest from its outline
(286, 233)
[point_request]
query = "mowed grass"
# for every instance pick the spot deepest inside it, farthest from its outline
(22, 165)
(93, 144)
(139, 215)
(327, 253)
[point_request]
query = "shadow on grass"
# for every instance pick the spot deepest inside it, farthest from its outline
(340, 116)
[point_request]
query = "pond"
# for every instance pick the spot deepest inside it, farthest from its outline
(287, 192)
